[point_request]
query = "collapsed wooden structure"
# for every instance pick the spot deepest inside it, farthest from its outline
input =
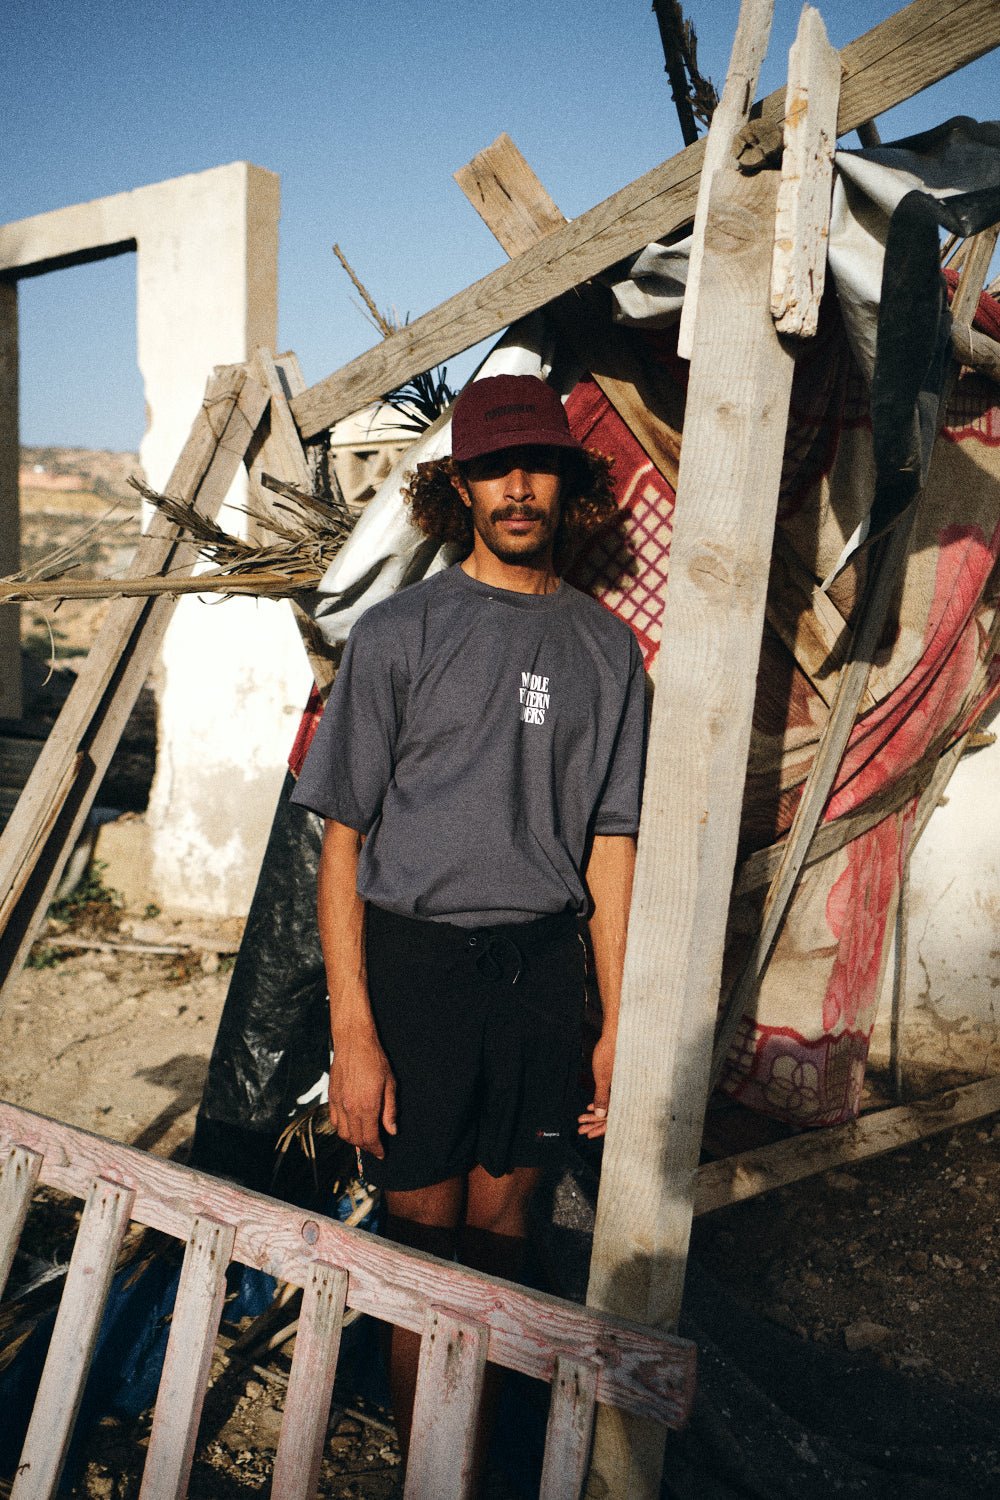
(726, 479)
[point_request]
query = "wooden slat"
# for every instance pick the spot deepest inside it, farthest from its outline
(808, 622)
(310, 1386)
(446, 1407)
(117, 665)
(194, 1325)
(281, 455)
(802, 223)
(74, 1337)
(752, 1172)
(17, 1183)
(570, 1429)
(508, 196)
(730, 114)
(914, 48)
(737, 411)
(506, 192)
(644, 1371)
(977, 350)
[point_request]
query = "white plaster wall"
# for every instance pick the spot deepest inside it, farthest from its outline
(952, 990)
(233, 676)
(953, 955)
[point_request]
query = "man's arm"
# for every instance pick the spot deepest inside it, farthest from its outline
(609, 875)
(362, 1088)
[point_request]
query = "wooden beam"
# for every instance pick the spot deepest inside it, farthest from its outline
(17, 1183)
(310, 1385)
(508, 196)
(752, 1172)
(730, 114)
(808, 622)
(194, 1326)
(648, 1371)
(569, 1430)
(505, 193)
(74, 1339)
(924, 42)
(117, 665)
(802, 225)
(281, 455)
(446, 1408)
(727, 496)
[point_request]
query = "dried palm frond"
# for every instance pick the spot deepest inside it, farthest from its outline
(308, 530)
(420, 401)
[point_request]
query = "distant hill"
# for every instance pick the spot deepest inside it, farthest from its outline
(102, 473)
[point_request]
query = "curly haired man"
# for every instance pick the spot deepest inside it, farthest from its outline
(479, 766)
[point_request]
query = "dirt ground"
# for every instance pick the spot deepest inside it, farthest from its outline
(895, 1259)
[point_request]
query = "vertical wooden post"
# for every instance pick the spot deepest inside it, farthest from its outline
(10, 501)
(310, 1387)
(17, 1183)
(446, 1407)
(193, 1329)
(730, 467)
(570, 1428)
(74, 1338)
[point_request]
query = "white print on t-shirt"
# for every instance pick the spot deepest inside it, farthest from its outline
(534, 696)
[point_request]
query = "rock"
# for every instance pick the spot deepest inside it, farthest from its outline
(917, 1260)
(946, 1262)
(864, 1335)
(842, 1181)
(209, 962)
(811, 1280)
(254, 1390)
(781, 1314)
(268, 1427)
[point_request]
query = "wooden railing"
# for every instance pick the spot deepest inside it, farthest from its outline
(465, 1318)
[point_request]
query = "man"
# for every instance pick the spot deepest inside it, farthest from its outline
(479, 766)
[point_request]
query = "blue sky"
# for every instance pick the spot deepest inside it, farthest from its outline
(364, 110)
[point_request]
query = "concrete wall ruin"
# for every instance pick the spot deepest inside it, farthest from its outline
(234, 676)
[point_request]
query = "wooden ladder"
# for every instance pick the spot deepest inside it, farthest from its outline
(465, 1318)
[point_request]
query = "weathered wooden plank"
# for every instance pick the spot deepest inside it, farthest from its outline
(282, 456)
(753, 1172)
(94, 715)
(641, 393)
(310, 1386)
(727, 495)
(17, 1183)
(569, 1431)
(201, 1293)
(731, 113)
(74, 1337)
(446, 1407)
(919, 45)
(646, 1371)
(977, 350)
(807, 621)
(508, 196)
(802, 223)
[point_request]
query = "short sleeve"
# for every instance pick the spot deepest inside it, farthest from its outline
(621, 795)
(350, 762)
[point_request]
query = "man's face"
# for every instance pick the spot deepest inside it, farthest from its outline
(514, 498)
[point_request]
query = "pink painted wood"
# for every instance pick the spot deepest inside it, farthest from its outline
(446, 1408)
(640, 1370)
(570, 1429)
(193, 1329)
(310, 1385)
(17, 1183)
(102, 1229)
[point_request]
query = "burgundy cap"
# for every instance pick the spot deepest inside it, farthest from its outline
(504, 411)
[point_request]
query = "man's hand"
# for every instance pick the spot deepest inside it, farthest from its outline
(593, 1122)
(362, 1092)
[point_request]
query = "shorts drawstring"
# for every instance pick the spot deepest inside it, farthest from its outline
(492, 962)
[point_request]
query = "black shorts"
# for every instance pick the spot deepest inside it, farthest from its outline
(482, 1029)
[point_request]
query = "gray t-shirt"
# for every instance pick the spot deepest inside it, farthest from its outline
(478, 737)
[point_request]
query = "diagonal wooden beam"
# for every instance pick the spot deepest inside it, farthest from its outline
(918, 46)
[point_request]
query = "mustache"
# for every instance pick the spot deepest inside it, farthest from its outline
(515, 512)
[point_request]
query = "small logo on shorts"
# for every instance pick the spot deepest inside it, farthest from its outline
(547, 1135)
